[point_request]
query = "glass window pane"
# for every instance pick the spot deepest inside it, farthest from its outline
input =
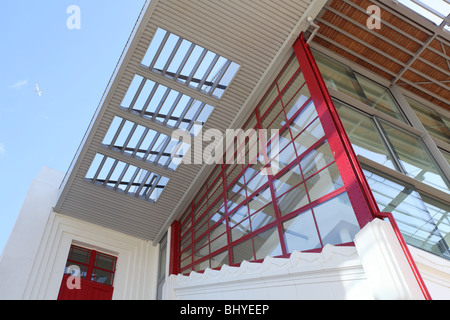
(308, 137)
(300, 233)
(243, 251)
(324, 182)
(219, 260)
(431, 120)
(446, 155)
(295, 95)
(80, 255)
(239, 215)
(289, 179)
(241, 230)
(218, 242)
(379, 97)
(275, 118)
(414, 157)
(423, 221)
(70, 270)
(267, 243)
(440, 212)
(316, 160)
(292, 200)
(260, 200)
(106, 262)
(338, 76)
(102, 276)
(303, 119)
(364, 135)
(300, 98)
(257, 178)
(263, 217)
(288, 72)
(336, 220)
(269, 98)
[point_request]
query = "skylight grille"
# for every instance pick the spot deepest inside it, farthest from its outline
(125, 178)
(181, 60)
(437, 11)
(158, 103)
(143, 143)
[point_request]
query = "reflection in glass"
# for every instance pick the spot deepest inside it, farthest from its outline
(414, 157)
(336, 220)
(338, 77)
(292, 200)
(324, 182)
(431, 120)
(263, 217)
(300, 233)
(423, 221)
(364, 136)
(316, 160)
(267, 243)
(243, 251)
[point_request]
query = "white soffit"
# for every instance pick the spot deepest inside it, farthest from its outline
(187, 65)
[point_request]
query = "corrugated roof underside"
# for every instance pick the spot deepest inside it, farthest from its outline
(249, 33)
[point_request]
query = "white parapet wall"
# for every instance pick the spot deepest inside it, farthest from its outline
(375, 268)
(33, 261)
(335, 273)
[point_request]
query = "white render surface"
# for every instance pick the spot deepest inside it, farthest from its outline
(335, 273)
(376, 268)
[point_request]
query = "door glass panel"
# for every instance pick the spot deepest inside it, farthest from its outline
(423, 221)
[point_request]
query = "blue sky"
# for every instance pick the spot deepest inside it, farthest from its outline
(72, 67)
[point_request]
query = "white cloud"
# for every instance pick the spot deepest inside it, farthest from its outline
(19, 84)
(2, 149)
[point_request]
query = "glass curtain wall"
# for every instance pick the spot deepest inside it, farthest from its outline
(243, 213)
(423, 221)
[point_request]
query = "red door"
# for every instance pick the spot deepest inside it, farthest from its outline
(88, 275)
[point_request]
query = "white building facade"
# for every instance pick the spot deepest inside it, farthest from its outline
(131, 221)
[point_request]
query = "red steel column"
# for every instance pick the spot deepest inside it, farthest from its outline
(359, 192)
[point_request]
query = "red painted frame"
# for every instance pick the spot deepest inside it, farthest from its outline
(355, 184)
(90, 290)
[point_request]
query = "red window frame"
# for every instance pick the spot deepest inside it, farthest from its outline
(355, 184)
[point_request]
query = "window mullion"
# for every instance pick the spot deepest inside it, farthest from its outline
(91, 265)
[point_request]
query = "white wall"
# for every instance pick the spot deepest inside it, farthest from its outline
(32, 264)
(336, 273)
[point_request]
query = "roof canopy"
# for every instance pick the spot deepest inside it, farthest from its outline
(187, 65)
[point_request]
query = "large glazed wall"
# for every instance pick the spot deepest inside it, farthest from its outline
(33, 261)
